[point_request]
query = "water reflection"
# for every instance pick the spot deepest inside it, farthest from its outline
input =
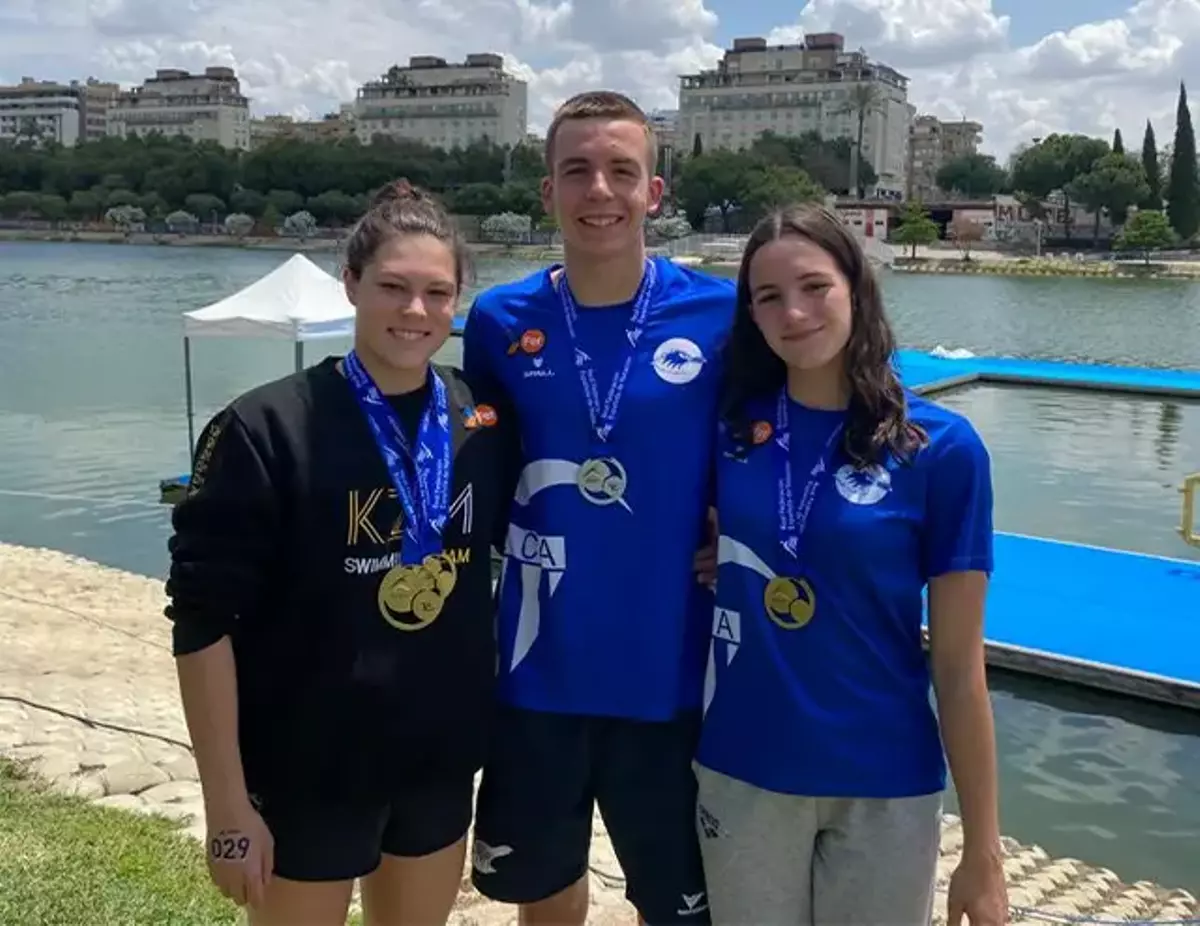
(1081, 770)
(1087, 467)
(1170, 419)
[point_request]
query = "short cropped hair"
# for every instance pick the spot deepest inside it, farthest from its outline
(601, 104)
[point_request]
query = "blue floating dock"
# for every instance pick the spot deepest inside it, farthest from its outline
(927, 373)
(1125, 622)
(1109, 619)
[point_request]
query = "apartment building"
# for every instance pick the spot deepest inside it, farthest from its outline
(445, 105)
(330, 128)
(203, 107)
(47, 110)
(98, 98)
(933, 143)
(794, 89)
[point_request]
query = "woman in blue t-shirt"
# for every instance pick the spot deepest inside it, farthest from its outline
(841, 498)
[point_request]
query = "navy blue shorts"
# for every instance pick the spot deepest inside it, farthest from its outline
(338, 841)
(533, 817)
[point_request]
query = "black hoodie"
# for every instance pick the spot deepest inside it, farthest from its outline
(283, 543)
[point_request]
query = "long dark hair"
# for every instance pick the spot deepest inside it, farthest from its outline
(877, 421)
(399, 208)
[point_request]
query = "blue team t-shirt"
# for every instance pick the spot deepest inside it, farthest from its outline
(832, 698)
(599, 611)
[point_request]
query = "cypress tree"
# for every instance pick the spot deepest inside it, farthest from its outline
(1150, 166)
(1183, 186)
(1118, 144)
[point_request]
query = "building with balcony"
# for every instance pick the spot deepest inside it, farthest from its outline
(203, 107)
(445, 105)
(933, 143)
(794, 89)
(45, 110)
(331, 128)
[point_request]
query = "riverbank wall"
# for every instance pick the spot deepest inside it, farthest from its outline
(523, 252)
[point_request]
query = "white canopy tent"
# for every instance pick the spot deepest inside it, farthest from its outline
(297, 302)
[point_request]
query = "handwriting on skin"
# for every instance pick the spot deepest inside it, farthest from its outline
(229, 846)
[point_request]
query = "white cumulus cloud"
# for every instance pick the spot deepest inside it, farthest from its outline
(304, 57)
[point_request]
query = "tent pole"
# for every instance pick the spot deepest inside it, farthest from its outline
(299, 351)
(191, 407)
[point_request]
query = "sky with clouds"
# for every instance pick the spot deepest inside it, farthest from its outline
(1021, 67)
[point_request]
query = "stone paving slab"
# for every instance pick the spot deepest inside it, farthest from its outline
(86, 650)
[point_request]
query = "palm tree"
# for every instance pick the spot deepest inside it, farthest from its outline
(864, 99)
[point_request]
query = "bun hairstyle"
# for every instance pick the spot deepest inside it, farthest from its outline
(399, 208)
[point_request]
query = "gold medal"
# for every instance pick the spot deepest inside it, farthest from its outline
(417, 593)
(602, 480)
(443, 571)
(426, 606)
(790, 603)
(396, 592)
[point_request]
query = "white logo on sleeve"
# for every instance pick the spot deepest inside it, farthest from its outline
(865, 486)
(678, 361)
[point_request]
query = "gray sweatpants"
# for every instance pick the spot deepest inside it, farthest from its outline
(781, 860)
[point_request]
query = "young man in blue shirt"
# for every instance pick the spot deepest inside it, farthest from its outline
(610, 361)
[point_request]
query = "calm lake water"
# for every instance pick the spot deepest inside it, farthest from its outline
(92, 417)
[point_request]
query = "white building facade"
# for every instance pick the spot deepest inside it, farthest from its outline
(794, 89)
(42, 111)
(203, 107)
(445, 105)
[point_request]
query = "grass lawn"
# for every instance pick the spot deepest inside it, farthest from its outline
(64, 862)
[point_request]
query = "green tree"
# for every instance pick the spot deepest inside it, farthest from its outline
(1152, 170)
(247, 202)
(825, 160)
(85, 205)
(1147, 230)
(153, 205)
(1118, 143)
(479, 199)
(527, 163)
(285, 202)
(206, 207)
(1052, 164)
(1183, 185)
(916, 227)
(524, 198)
(119, 197)
(771, 187)
(335, 207)
(163, 175)
(1116, 183)
(52, 207)
(717, 179)
(19, 204)
(973, 176)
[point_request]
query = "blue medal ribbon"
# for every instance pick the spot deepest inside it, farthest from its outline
(426, 506)
(793, 516)
(603, 417)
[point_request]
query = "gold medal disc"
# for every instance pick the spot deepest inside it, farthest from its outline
(790, 603)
